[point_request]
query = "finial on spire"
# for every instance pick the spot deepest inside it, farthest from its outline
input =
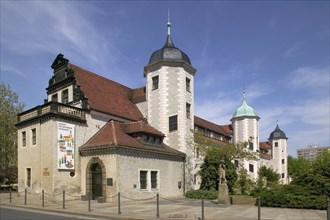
(168, 23)
(244, 97)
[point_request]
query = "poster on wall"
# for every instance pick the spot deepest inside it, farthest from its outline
(65, 146)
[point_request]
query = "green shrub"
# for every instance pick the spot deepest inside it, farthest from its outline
(199, 194)
(290, 196)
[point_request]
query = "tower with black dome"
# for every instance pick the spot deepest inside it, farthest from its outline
(170, 94)
(278, 141)
(245, 124)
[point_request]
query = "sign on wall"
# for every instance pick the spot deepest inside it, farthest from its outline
(65, 146)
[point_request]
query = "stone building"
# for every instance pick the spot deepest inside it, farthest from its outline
(94, 135)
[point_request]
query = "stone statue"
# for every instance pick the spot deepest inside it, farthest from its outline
(222, 173)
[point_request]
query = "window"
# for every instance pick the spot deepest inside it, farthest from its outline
(149, 179)
(54, 98)
(236, 163)
(173, 123)
(145, 139)
(188, 84)
(251, 168)
(251, 146)
(143, 179)
(28, 177)
(155, 81)
(154, 176)
(283, 175)
(65, 96)
(188, 110)
(24, 138)
(151, 140)
(34, 136)
(283, 161)
(276, 144)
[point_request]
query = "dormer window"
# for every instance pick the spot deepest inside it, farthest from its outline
(65, 96)
(151, 140)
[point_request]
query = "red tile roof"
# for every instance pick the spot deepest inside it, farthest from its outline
(105, 95)
(221, 129)
(265, 145)
(141, 127)
(265, 156)
(114, 135)
(139, 95)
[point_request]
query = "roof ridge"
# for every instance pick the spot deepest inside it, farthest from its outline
(99, 76)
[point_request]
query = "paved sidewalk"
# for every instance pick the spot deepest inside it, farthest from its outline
(173, 209)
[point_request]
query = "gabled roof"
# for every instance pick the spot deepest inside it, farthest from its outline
(221, 129)
(116, 135)
(105, 95)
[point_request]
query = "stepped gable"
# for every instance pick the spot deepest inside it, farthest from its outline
(116, 135)
(221, 129)
(105, 95)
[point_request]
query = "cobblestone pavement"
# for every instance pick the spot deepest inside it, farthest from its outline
(173, 209)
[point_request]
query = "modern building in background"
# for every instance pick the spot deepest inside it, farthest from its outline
(311, 152)
(94, 135)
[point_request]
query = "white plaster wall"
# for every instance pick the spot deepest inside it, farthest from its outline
(169, 174)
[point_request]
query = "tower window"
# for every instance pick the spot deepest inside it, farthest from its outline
(173, 123)
(188, 110)
(251, 146)
(155, 82)
(251, 168)
(24, 138)
(65, 96)
(34, 136)
(283, 175)
(276, 144)
(283, 161)
(188, 84)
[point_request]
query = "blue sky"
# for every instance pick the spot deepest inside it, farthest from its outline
(277, 50)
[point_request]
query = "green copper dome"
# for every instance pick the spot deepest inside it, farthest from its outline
(245, 110)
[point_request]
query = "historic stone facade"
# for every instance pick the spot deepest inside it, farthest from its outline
(93, 135)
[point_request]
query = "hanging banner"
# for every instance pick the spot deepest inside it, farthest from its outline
(65, 146)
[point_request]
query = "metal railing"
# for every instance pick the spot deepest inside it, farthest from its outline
(157, 199)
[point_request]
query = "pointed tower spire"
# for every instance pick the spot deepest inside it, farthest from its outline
(168, 23)
(169, 42)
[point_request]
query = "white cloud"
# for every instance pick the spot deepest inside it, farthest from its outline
(309, 77)
(292, 51)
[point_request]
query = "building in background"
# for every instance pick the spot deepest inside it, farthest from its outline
(312, 151)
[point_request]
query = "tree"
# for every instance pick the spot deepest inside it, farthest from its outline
(214, 155)
(210, 171)
(298, 167)
(271, 176)
(9, 108)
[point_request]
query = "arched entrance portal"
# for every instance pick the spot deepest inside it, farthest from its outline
(95, 178)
